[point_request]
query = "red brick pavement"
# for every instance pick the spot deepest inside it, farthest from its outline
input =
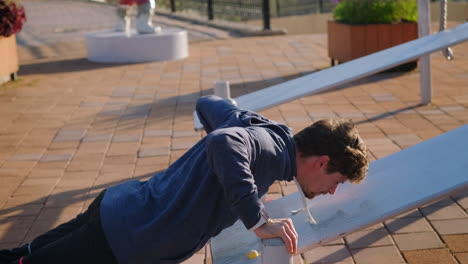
(71, 128)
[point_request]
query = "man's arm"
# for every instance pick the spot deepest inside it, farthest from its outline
(213, 111)
(228, 156)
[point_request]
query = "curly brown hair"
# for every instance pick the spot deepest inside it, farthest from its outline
(340, 140)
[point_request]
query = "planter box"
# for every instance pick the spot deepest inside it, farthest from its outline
(349, 42)
(9, 55)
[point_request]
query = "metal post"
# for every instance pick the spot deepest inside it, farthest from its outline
(173, 8)
(266, 14)
(447, 52)
(424, 19)
(274, 252)
(223, 90)
(210, 10)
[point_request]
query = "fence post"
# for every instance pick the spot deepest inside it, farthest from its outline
(173, 9)
(266, 14)
(210, 10)
(424, 22)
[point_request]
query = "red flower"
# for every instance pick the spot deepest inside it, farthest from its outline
(131, 2)
(12, 18)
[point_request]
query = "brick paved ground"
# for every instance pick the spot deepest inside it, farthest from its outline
(71, 128)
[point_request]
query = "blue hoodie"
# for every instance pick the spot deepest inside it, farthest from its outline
(218, 181)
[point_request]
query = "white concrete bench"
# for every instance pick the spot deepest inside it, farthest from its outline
(395, 184)
(347, 72)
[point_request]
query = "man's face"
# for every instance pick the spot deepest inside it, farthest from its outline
(313, 177)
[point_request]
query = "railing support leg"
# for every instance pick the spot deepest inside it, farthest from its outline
(266, 14)
(424, 19)
(223, 90)
(173, 8)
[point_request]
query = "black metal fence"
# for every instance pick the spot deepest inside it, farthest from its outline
(242, 10)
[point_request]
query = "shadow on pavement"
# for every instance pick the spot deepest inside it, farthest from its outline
(64, 66)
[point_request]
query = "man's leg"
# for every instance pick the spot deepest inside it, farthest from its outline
(67, 227)
(84, 245)
(7, 256)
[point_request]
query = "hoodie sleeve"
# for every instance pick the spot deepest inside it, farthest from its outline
(228, 157)
(213, 112)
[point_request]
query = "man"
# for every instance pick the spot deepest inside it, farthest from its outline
(218, 181)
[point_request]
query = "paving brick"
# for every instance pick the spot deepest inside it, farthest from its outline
(186, 133)
(462, 199)
(22, 210)
(145, 172)
(93, 147)
(122, 168)
(462, 258)
(381, 255)
(46, 173)
(451, 227)
(125, 159)
(20, 164)
(51, 165)
(417, 240)
(339, 241)
(157, 132)
(408, 225)
(441, 213)
(329, 254)
(56, 157)
(457, 243)
(405, 140)
(21, 200)
(97, 137)
(25, 157)
(156, 160)
(429, 256)
(64, 144)
(369, 238)
(122, 148)
(126, 138)
(152, 152)
(184, 143)
(162, 141)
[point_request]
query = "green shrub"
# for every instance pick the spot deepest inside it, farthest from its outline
(376, 11)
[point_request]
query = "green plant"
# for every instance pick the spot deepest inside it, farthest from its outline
(376, 11)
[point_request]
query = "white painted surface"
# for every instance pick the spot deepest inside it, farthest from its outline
(118, 47)
(274, 251)
(424, 29)
(395, 184)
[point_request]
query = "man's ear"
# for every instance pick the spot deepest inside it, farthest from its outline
(323, 161)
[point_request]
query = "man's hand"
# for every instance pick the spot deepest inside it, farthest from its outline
(282, 228)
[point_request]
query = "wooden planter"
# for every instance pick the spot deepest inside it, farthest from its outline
(9, 58)
(349, 42)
